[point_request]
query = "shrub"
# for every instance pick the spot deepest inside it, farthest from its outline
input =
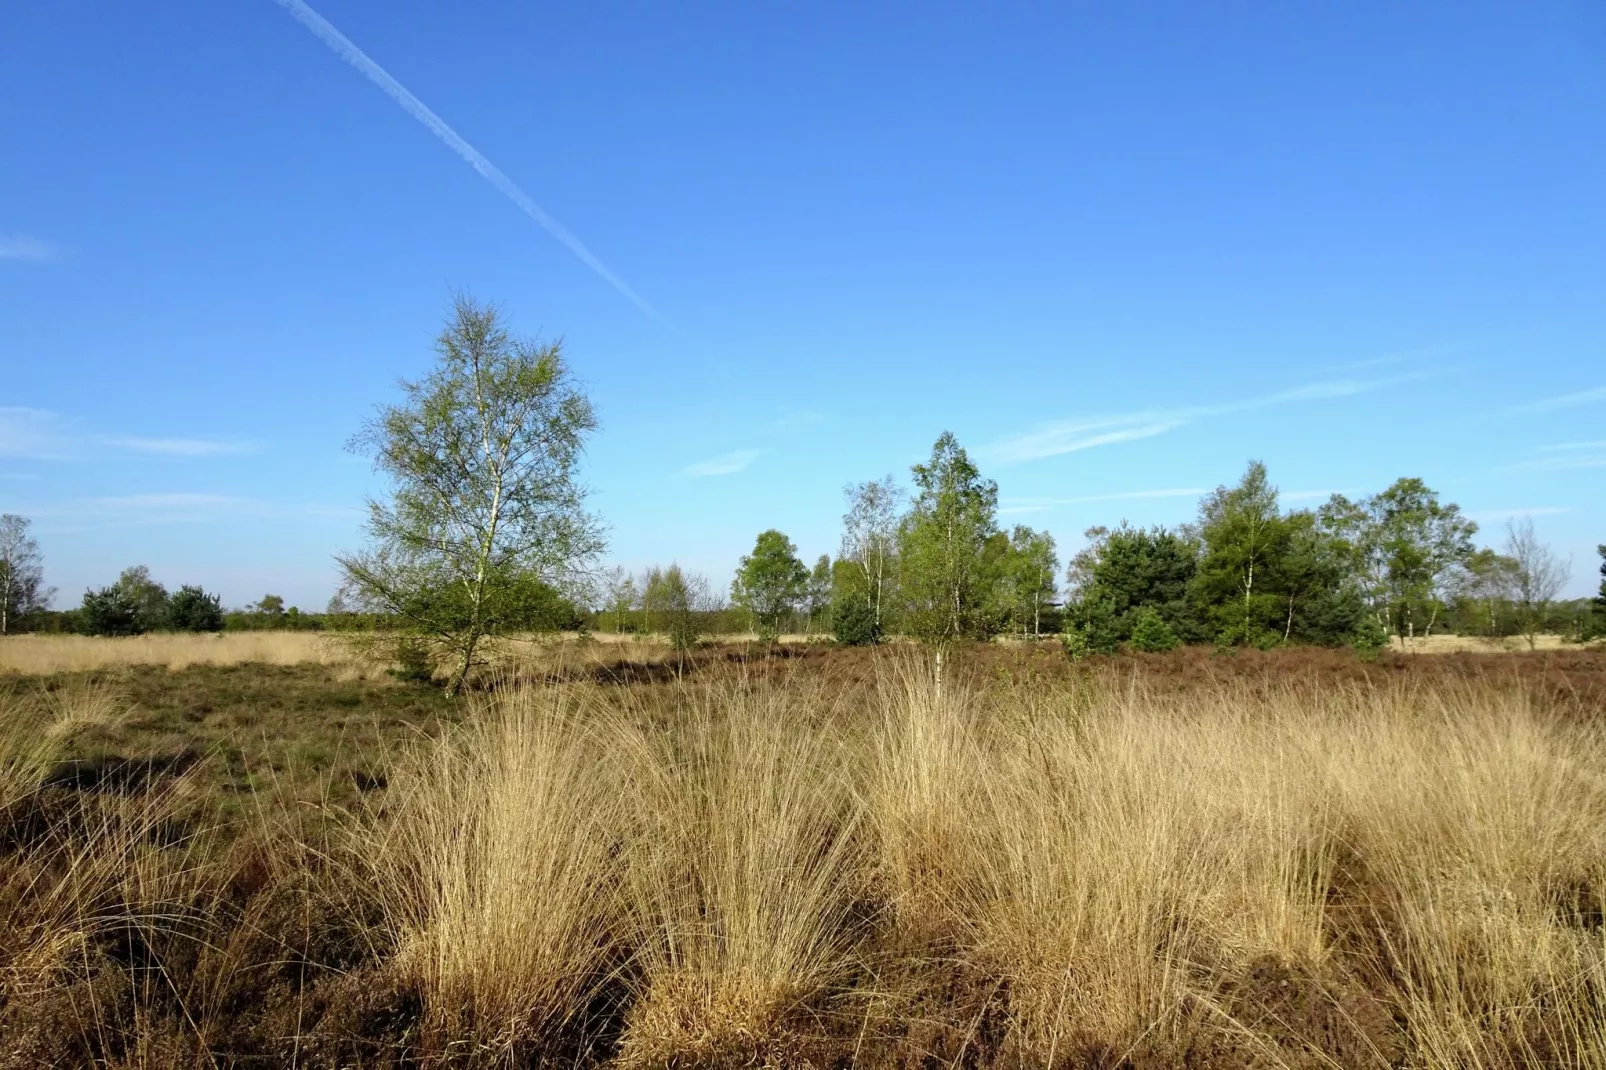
(413, 664)
(190, 609)
(1150, 632)
(1074, 640)
(109, 611)
(853, 621)
(1370, 638)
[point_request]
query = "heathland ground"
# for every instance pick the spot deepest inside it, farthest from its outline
(259, 850)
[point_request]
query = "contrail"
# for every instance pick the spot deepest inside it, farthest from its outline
(376, 74)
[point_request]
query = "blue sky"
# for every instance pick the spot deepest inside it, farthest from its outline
(1117, 249)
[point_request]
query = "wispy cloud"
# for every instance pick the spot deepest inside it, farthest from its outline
(178, 447)
(173, 507)
(179, 500)
(1038, 505)
(27, 247)
(39, 434)
(33, 433)
(723, 465)
(1495, 516)
(1555, 464)
(1069, 436)
(1419, 353)
(325, 31)
(1564, 401)
(1597, 444)
(793, 419)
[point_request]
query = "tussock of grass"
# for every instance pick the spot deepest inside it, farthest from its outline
(497, 873)
(743, 868)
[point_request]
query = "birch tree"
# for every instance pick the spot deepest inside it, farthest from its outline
(484, 507)
(869, 538)
(1537, 577)
(22, 580)
(1030, 572)
(946, 580)
(1242, 531)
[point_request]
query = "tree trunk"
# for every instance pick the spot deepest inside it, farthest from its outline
(455, 685)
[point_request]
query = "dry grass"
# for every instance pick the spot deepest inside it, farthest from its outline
(1451, 644)
(801, 868)
(41, 654)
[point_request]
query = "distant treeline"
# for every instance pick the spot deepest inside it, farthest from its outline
(936, 565)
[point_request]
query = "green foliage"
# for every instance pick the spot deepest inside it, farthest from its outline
(190, 609)
(134, 605)
(1404, 546)
(481, 455)
(1369, 638)
(681, 595)
(1150, 632)
(947, 570)
(1074, 642)
(413, 662)
(869, 545)
(148, 597)
(109, 611)
(1597, 624)
(1028, 578)
(1122, 571)
(853, 621)
(817, 596)
(770, 582)
(1243, 533)
(1267, 578)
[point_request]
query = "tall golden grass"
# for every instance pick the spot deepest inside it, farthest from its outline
(925, 870)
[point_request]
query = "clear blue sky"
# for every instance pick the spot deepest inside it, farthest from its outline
(1118, 249)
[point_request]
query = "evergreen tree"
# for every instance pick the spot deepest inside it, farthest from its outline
(1243, 533)
(109, 611)
(1150, 632)
(1124, 570)
(853, 620)
(190, 609)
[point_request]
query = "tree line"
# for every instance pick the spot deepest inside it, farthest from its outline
(484, 533)
(935, 564)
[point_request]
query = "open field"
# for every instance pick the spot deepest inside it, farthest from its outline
(34, 654)
(814, 857)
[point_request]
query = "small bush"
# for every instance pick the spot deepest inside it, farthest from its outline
(190, 609)
(413, 664)
(1150, 632)
(1370, 638)
(1074, 641)
(109, 611)
(853, 621)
